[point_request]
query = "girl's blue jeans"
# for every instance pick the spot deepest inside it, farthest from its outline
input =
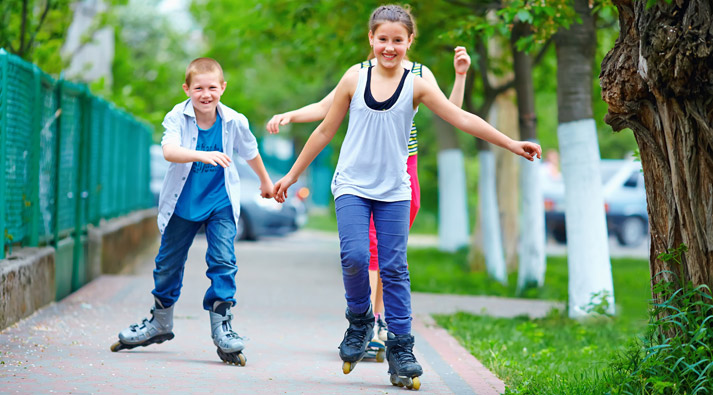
(177, 238)
(391, 221)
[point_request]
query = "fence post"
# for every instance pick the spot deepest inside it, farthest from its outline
(35, 159)
(80, 145)
(58, 175)
(3, 140)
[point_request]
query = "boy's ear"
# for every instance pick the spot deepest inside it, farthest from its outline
(185, 89)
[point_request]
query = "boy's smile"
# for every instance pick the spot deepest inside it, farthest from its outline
(205, 91)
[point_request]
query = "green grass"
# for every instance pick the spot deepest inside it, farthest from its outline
(549, 355)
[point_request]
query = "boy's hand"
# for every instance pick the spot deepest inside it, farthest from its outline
(267, 189)
(280, 189)
(277, 120)
(527, 149)
(461, 60)
(214, 158)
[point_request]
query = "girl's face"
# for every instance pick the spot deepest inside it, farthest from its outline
(390, 41)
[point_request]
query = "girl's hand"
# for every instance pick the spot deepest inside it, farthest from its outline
(267, 189)
(214, 158)
(527, 149)
(461, 60)
(280, 188)
(277, 120)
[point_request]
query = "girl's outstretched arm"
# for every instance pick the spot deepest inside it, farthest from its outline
(322, 135)
(309, 113)
(435, 100)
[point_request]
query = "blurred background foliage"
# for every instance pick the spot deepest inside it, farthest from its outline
(279, 55)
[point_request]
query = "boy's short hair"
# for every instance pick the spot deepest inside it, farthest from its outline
(203, 65)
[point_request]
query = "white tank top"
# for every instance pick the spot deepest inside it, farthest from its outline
(372, 160)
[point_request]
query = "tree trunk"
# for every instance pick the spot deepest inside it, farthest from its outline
(452, 202)
(531, 271)
(590, 279)
(507, 186)
(658, 81)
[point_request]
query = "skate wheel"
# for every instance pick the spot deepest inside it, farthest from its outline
(116, 347)
(380, 356)
(242, 360)
(416, 384)
(347, 367)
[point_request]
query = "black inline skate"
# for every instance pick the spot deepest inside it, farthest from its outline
(404, 370)
(356, 339)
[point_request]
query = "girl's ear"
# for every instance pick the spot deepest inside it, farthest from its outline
(371, 38)
(410, 41)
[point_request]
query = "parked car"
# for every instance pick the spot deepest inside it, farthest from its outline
(258, 216)
(159, 167)
(624, 203)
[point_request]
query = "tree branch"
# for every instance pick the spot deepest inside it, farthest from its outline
(39, 24)
(542, 52)
(23, 26)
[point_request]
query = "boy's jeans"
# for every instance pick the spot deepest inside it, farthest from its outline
(177, 238)
(391, 220)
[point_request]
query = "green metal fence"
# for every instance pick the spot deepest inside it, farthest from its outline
(70, 159)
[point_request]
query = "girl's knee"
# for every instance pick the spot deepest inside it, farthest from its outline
(353, 261)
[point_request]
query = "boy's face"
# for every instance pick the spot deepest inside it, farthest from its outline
(205, 91)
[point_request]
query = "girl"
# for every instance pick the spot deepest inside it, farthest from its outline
(371, 179)
(317, 111)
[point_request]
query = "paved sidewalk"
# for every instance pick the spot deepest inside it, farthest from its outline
(290, 309)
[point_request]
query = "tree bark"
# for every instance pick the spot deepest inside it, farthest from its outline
(658, 81)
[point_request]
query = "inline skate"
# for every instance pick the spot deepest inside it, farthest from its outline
(404, 370)
(356, 339)
(229, 344)
(158, 329)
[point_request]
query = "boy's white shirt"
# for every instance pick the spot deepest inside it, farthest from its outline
(180, 128)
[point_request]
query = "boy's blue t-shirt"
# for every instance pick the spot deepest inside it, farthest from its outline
(204, 190)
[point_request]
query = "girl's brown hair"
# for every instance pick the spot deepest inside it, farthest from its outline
(392, 13)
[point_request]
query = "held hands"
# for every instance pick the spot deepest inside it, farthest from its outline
(461, 60)
(280, 189)
(526, 149)
(214, 158)
(267, 189)
(277, 120)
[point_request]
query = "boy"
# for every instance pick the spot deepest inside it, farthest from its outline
(201, 187)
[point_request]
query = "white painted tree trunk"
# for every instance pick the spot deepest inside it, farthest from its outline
(490, 221)
(531, 272)
(452, 203)
(587, 240)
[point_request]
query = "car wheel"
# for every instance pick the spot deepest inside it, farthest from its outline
(560, 234)
(631, 232)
